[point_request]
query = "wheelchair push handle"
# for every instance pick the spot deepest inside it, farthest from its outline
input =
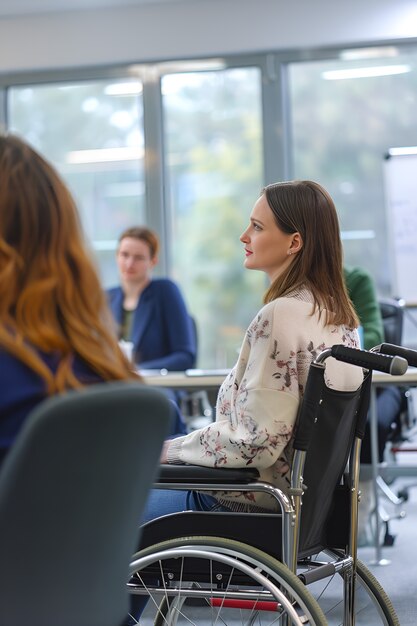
(393, 350)
(390, 364)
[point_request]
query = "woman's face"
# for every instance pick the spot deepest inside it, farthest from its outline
(267, 247)
(134, 261)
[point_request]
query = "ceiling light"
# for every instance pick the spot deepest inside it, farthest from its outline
(402, 151)
(176, 67)
(105, 155)
(123, 89)
(357, 54)
(366, 72)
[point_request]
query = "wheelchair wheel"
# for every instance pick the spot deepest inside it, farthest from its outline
(372, 605)
(212, 580)
(379, 597)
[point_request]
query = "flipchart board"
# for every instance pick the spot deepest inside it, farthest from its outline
(400, 177)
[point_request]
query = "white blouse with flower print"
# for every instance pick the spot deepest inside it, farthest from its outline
(258, 402)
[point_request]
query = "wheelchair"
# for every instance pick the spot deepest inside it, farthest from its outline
(298, 566)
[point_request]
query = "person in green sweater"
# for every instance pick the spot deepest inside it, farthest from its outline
(362, 292)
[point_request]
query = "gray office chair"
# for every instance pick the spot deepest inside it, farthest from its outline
(392, 312)
(72, 491)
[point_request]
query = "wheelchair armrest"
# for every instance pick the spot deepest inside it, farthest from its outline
(202, 475)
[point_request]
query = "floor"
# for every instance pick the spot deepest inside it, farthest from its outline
(398, 576)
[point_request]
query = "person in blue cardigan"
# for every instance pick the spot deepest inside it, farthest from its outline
(150, 312)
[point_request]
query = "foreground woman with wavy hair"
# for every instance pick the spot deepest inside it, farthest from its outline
(55, 328)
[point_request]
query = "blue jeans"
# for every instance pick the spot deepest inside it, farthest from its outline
(162, 502)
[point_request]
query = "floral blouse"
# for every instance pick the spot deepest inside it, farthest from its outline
(258, 402)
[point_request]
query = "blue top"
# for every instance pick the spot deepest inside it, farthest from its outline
(21, 389)
(162, 331)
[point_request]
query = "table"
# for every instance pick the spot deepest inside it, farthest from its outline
(190, 380)
(409, 379)
(212, 379)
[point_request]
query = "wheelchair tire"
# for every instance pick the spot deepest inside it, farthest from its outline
(372, 604)
(380, 598)
(206, 578)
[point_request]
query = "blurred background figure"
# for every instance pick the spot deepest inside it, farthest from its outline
(54, 318)
(154, 326)
(150, 312)
(362, 292)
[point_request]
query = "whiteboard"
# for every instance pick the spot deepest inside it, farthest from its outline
(400, 177)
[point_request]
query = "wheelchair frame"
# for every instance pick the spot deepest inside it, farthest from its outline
(182, 542)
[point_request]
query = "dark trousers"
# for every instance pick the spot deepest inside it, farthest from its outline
(389, 403)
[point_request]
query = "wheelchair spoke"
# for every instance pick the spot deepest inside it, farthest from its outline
(201, 582)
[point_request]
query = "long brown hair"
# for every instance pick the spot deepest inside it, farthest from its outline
(306, 207)
(51, 299)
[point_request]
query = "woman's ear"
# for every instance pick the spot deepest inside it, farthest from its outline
(296, 243)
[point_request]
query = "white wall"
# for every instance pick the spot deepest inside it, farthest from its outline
(192, 29)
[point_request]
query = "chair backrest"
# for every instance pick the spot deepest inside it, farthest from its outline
(332, 437)
(194, 329)
(392, 312)
(72, 492)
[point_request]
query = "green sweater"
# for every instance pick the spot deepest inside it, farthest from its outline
(361, 289)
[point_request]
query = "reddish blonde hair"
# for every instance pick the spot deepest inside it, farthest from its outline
(143, 234)
(50, 294)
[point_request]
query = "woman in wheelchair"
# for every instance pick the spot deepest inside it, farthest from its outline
(293, 236)
(227, 546)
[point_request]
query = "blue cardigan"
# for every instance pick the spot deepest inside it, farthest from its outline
(162, 331)
(22, 389)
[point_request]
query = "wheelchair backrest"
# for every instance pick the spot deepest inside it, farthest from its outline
(331, 443)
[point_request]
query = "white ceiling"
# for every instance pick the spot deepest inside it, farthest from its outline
(10, 8)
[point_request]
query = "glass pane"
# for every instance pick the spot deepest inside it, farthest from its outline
(93, 133)
(213, 143)
(346, 115)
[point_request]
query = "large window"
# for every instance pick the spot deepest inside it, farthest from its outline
(214, 166)
(93, 133)
(346, 114)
